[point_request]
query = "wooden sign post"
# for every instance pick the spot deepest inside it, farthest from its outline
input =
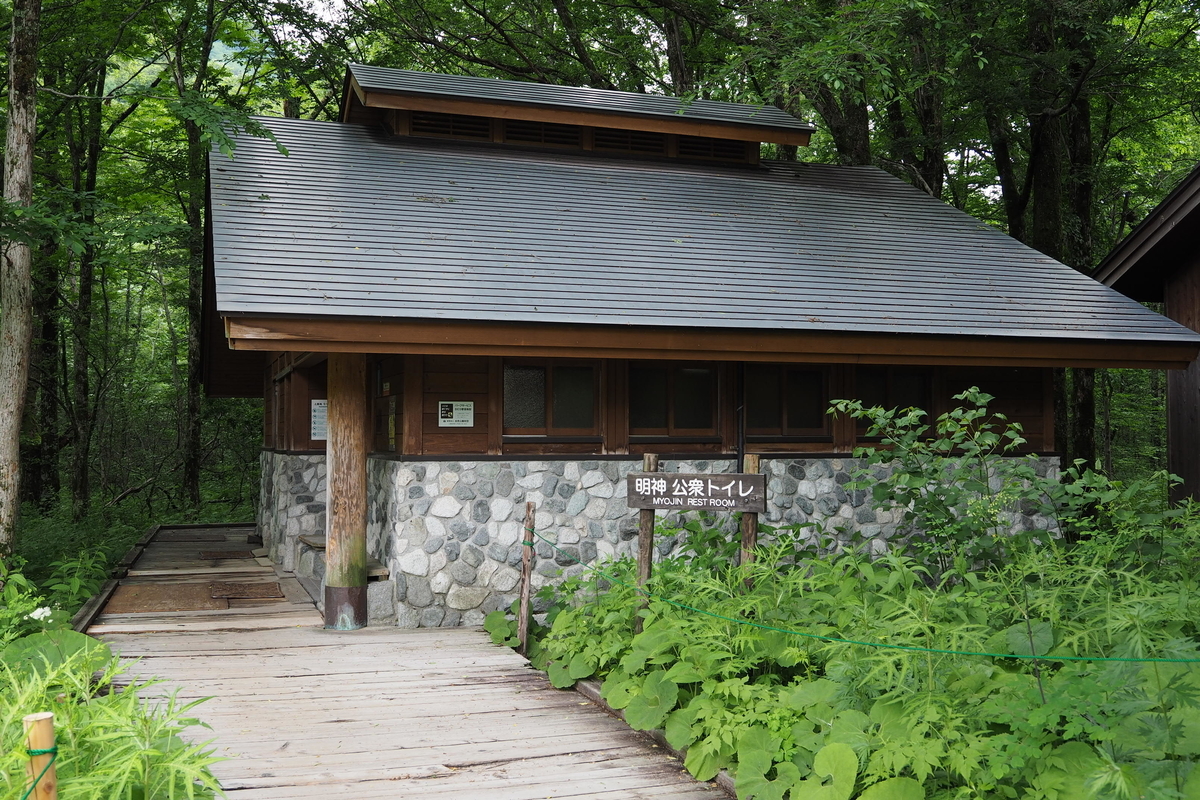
(40, 772)
(346, 540)
(749, 518)
(526, 578)
(645, 557)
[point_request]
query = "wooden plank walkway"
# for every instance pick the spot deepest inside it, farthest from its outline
(301, 712)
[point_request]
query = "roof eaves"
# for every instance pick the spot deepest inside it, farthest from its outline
(1183, 201)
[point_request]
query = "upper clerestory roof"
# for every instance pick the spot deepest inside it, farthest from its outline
(492, 97)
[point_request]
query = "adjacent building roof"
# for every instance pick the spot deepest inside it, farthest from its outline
(352, 223)
(400, 88)
(1140, 262)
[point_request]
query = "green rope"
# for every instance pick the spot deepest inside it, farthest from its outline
(49, 751)
(836, 640)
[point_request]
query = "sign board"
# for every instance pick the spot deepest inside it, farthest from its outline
(319, 421)
(673, 491)
(456, 414)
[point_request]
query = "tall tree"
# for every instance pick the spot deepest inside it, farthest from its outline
(16, 278)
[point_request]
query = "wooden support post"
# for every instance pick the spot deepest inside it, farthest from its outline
(526, 579)
(645, 558)
(749, 518)
(40, 772)
(346, 539)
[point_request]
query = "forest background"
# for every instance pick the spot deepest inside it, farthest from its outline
(1062, 122)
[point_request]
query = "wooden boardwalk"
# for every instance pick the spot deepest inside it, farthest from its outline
(301, 712)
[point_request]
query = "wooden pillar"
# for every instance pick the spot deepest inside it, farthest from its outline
(346, 456)
(645, 557)
(749, 518)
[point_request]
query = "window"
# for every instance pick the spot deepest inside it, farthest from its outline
(672, 400)
(893, 387)
(783, 401)
(542, 399)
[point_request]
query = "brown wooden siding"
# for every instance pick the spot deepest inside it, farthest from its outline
(1182, 294)
(292, 381)
(406, 421)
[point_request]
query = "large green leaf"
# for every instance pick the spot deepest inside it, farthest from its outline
(560, 678)
(1030, 639)
(894, 789)
(810, 693)
(756, 750)
(834, 771)
(648, 710)
(616, 689)
(706, 758)
(678, 728)
(51, 649)
(753, 785)
(580, 667)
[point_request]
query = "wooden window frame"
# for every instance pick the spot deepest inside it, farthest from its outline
(671, 433)
(821, 434)
(550, 433)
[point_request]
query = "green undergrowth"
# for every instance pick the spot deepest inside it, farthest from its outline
(117, 739)
(768, 671)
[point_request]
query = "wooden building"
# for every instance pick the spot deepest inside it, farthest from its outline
(500, 291)
(1159, 262)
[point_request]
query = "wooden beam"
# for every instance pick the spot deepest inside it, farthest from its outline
(574, 116)
(346, 542)
(706, 344)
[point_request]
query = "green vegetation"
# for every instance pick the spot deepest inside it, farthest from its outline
(819, 672)
(117, 739)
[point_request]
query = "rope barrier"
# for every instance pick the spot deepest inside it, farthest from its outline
(837, 640)
(49, 751)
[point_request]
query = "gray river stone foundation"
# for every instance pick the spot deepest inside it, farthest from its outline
(450, 531)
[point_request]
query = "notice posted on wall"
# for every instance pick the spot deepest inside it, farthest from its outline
(320, 421)
(456, 414)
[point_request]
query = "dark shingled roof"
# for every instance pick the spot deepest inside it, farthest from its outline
(355, 223)
(427, 84)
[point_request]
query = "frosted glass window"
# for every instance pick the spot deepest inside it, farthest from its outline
(574, 397)
(805, 399)
(694, 398)
(648, 397)
(762, 397)
(524, 397)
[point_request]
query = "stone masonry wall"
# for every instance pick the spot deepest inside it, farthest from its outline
(450, 531)
(292, 502)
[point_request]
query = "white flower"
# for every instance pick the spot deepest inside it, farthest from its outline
(39, 613)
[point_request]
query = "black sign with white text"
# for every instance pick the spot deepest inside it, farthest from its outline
(672, 491)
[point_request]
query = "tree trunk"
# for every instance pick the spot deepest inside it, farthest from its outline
(197, 161)
(86, 158)
(16, 275)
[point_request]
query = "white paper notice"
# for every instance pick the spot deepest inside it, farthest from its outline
(320, 420)
(456, 414)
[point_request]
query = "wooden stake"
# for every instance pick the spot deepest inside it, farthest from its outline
(749, 518)
(526, 579)
(346, 542)
(39, 736)
(645, 558)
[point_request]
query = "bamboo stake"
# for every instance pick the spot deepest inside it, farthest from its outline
(526, 579)
(645, 557)
(39, 738)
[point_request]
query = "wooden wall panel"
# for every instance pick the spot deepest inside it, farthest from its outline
(460, 379)
(1182, 293)
(1019, 391)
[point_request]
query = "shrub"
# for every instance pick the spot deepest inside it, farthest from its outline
(113, 742)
